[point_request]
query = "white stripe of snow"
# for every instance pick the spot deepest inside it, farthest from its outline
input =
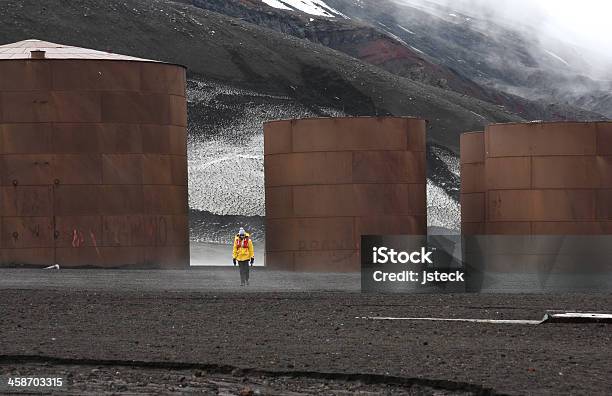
(312, 7)
(406, 30)
(556, 57)
(276, 4)
(478, 114)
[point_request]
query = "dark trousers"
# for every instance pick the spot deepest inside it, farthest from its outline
(244, 271)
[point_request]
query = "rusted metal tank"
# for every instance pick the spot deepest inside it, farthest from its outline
(547, 207)
(94, 166)
(549, 178)
(330, 180)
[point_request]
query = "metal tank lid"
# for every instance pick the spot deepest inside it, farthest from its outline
(38, 49)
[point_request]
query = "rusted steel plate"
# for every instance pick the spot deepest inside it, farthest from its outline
(604, 138)
(136, 107)
(145, 230)
(508, 227)
(348, 134)
(122, 168)
(179, 170)
(37, 257)
(508, 173)
(27, 201)
(123, 199)
(359, 200)
(471, 147)
(279, 202)
(277, 137)
(604, 204)
(176, 230)
(308, 168)
(49, 106)
(310, 234)
(156, 139)
(25, 76)
(535, 205)
(388, 167)
(27, 106)
(178, 140)
(27, 169)
(166, 230)
(327, 261)
(568, 172)
(105, 257)
(473, 178)
(572, 227)
(389, 225)
(162, 78)
(558, 138)
(170, 200)
(76, 200)
(178, 111)
(473, 229)
(417, 134)
(473, 208)
(77, 169)
(120, 138)
(280, 261)
(27, 232)
(76, 106)
(127, 230)
(157, 169)
(96, 76)
(26, 138)
(76, 138)
(78, 231)
(73, 200)
(166, 257)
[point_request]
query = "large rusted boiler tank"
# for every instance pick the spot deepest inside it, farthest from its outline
(536, 203)
(330, 180)
(538, 178)
(93, 153)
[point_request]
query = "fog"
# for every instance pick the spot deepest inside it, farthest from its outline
(583, 24)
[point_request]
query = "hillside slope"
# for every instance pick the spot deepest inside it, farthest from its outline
(513, 57)
(371, 41)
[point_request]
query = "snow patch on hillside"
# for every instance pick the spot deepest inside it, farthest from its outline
(557, 57)
(312, 7)
(405, 29)
(225, 153)
(276, 4)
(442, 210)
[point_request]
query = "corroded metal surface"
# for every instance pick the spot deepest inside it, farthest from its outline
(538, 178)
(329, 181)
(473, 189)
(93, 161)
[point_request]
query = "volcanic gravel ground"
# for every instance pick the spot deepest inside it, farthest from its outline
(116, 339)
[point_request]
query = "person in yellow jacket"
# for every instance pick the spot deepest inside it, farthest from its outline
(244, 254)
